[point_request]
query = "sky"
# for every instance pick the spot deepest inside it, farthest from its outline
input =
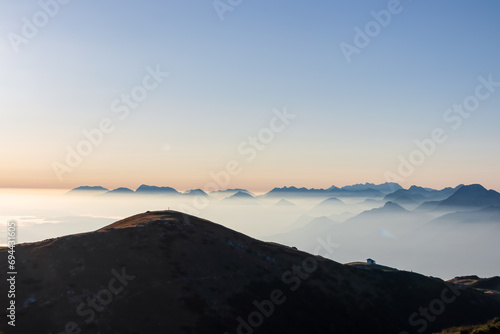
(252, 94)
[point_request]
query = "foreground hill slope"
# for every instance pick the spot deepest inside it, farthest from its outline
(165, 272)
(491, 327)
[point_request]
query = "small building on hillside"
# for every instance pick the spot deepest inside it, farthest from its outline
(370, 261)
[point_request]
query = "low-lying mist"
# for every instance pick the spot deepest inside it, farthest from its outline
(438, 243)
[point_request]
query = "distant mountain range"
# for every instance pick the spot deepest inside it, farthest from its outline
(291, 192)
(467, 197)
(471, 196)
(366, 190)
(418, 195)
(167, 272)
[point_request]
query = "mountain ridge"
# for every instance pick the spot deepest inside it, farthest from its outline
(467, 196)
(192, 275)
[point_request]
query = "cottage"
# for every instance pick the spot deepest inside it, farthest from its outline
(370, 261)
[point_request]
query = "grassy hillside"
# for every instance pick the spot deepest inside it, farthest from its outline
(491, 327)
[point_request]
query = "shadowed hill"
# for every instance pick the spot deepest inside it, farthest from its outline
(492, 283)
(491, 327)
(364, 265)
(165, 272)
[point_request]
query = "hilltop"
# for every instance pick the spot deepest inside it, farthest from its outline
(175, 273)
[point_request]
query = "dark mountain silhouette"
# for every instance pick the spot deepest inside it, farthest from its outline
(151, 190)
(470, 196)
(165, 272)
(417, 195)
(474, 195)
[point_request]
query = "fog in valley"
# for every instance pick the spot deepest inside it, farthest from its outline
(404, 230)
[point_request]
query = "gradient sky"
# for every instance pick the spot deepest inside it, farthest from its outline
(353, 120)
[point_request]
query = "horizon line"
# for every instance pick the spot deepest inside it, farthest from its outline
(236, 187)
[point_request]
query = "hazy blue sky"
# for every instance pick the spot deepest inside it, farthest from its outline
(353, 119)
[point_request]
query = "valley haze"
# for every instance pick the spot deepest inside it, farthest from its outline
(440, 232)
